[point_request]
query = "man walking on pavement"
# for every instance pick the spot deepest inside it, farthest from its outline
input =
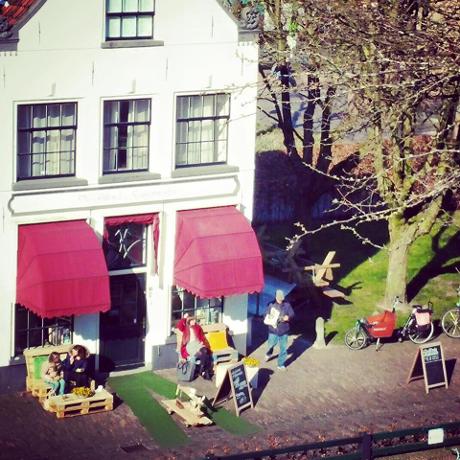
(277, 317)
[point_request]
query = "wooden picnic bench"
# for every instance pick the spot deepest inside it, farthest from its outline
(322, 275)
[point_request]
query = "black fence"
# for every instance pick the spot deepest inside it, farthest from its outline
(364, 447)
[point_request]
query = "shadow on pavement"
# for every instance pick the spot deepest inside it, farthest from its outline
(450, 365)
(297, 347)
(263, 379)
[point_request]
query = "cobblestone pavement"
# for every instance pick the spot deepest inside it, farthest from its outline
(323, 394)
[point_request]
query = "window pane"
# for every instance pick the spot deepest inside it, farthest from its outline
(223, 105)
(114, 6)
(207, 130)
(67, 140)
(221, 126)
(140, 156)
(24, 142)
(181, 154)
(52, 141)
(113, 27)
(146, 5)
(39, 116)
(66, 163)
(24, 166)
(208, 106)
(221, 151)
(54, 115)
(128, 27)
(110, 112)
(68, 114)
(24, 116)
(52, 164)
(194, 131)
(130, 6)
(140, 136)
(38, 141)
(183, 106)
(193, 156)
(124, 111)
(195, 107)
(126, 246)
(207, 152)
(142, 110)
(145, 26)
(181, 132)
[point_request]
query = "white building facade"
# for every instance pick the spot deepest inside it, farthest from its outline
(130, 118)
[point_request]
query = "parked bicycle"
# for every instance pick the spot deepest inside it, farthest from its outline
(450, 321)
(418, 327)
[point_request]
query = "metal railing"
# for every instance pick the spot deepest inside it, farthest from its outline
(366, 446)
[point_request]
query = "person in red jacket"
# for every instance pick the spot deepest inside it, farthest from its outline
(195, 345)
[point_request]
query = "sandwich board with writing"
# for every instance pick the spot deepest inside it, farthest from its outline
(235, 384)
(430, 365)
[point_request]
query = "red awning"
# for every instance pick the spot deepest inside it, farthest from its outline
(217, 253)
(61, 270)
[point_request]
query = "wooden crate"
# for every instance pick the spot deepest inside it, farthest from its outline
(71, 405)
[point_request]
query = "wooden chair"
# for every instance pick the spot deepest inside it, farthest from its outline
(217, 336)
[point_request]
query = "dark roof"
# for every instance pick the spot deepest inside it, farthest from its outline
(12, 14)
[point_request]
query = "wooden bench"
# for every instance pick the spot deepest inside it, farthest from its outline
(217, 337)
(35, 357)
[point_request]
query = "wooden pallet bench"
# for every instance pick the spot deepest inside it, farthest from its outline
(70, 405)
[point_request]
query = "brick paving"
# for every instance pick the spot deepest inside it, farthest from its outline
(324, 394)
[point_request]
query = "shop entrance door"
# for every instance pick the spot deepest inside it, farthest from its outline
(122, 328)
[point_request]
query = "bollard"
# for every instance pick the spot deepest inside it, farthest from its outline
(319, 327)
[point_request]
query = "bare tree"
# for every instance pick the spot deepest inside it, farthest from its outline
(395, 63)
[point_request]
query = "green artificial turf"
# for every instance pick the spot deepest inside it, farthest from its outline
(152, 415)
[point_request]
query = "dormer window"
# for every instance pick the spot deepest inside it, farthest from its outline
(129, 19)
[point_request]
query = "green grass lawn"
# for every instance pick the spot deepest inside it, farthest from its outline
(363, 269)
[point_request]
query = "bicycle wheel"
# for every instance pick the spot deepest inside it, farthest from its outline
(450, 323)
(355, 339)
(421, 335)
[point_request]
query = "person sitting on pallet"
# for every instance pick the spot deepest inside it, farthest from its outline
(194, 344)
(52, 373)
(75, 367)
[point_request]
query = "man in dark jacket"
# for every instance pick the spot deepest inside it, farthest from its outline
(277, 317)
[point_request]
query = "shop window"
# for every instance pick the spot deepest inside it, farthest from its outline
(207, 311)
(33, 331)
(46, 140)
(202, 129)
(125, 246)
(126, 135)
(129, 19)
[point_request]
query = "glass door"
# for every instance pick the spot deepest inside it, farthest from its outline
(122, 328)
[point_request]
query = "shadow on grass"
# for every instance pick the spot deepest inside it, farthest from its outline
(441, 263)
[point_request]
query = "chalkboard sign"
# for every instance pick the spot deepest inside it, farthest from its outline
(235, 383)
(429, 363)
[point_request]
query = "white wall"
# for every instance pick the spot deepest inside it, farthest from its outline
(60, 58)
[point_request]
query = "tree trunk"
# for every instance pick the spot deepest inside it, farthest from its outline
(401, 239)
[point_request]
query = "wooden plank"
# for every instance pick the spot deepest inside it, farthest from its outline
(186, 412)
(333, 293)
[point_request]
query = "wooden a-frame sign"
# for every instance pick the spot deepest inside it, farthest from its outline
(235, 383)
(430, 365)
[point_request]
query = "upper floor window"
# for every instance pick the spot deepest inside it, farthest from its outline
(46, 140)
(202, 129)
(126, 135)
(129, 19)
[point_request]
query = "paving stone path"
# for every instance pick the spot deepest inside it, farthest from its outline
(323, 394)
